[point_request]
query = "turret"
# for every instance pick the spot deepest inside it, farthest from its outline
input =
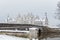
(46, 19)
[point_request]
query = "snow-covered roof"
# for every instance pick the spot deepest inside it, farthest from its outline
(33, 28)
(13, 20)
(43, 20)
(37, 20)
(14, 31)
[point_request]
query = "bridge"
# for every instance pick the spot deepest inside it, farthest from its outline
(10, 26)
(15, 26)
(15, 29)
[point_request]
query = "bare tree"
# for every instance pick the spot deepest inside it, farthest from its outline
(58, 11)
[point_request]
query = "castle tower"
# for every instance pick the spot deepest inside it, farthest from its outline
(46, 19)
(7, 19)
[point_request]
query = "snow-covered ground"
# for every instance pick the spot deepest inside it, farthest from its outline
(14, 31)
(6, 37)
(53, 26)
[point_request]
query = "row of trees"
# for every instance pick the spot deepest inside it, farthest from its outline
(58, 12)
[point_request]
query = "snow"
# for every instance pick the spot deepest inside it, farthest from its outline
(14, 31)
(33, 28)
(53, 27)
(6, 37)
(40, 20)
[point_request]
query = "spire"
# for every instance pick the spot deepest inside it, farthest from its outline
(7, 18)
(46, 19)
(18, 16)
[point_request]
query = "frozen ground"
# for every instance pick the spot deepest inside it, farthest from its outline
(6, 37)
(53, 26)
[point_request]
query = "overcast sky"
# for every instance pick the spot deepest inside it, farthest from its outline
(37, 7)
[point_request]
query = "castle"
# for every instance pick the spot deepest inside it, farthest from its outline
(28, 19)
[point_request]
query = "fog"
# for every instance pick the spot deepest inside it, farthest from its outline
(37, 7)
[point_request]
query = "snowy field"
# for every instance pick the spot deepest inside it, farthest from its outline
(6, 37)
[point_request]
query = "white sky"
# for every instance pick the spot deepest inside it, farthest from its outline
(37, 7)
